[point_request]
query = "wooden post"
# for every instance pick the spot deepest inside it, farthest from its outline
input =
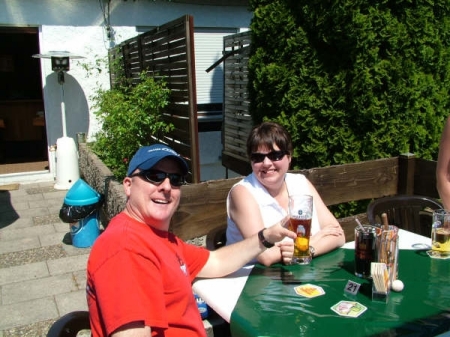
(192, 97)
(406, 168)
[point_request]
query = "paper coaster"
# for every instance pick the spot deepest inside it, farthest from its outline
(348, 308)
(309, 290)
(438, 255)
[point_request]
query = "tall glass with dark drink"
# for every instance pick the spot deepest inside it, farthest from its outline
(300, 217)
(365, 249)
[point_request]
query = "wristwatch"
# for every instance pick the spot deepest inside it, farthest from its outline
(263, 240)
(312, 251)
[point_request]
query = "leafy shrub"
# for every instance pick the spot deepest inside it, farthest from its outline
(131, 115)
(352, 81)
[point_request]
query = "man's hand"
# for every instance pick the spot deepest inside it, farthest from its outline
(287, 250)
(278, 232)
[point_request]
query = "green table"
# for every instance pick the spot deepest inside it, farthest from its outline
(269, 306)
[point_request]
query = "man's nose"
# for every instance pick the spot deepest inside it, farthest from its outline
(166, 184)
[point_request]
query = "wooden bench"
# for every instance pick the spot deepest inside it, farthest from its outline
(202, 209)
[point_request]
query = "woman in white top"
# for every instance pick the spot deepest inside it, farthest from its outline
(261, 199)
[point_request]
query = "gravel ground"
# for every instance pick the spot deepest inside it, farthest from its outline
(201, 241)
(39, 329)
(31, 256)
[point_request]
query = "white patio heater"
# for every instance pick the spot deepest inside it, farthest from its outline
(67, 171)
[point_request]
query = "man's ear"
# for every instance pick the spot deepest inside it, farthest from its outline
(127, 185)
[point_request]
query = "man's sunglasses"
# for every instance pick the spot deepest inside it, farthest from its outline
(157, 177)
(257, 157)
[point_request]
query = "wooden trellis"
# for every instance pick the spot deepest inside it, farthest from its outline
(168, 51)
(237, 121)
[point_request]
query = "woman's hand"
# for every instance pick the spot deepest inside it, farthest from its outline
(333, 229)
(327, 238)
(286, 250)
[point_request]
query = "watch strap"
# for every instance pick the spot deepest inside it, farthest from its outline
(263, 240)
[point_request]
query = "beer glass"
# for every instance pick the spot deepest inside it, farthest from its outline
(300, 217)
(440, 234)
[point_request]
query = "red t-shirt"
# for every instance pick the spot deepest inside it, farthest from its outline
(138, 273)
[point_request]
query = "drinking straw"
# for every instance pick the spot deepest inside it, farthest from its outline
(360, 225)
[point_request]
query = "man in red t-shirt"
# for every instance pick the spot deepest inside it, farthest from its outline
(139, 275)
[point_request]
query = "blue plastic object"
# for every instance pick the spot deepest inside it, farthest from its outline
(202, 306)
(86, 230)
(81, 194)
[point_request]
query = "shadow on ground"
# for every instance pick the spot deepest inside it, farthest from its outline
(7, 212)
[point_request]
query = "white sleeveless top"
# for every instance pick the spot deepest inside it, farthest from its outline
(271, 211)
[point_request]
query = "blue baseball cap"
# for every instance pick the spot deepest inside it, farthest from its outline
(147, 157)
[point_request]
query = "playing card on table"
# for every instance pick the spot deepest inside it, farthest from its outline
(348, 308)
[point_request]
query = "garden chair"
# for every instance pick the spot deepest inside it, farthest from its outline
(216, 238)
(70, 324)
(409, 212)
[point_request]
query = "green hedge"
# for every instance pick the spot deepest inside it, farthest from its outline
(352, 80)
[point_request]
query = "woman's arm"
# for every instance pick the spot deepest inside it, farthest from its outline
(331, 234)
(244, 211)
(443, 166)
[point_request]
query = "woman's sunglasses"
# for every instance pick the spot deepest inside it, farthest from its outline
(257, 157)
(157, 177)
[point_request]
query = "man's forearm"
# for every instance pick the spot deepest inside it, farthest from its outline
(228, 259)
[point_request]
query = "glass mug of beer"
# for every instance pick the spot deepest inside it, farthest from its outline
(440, 234)
(300, 218)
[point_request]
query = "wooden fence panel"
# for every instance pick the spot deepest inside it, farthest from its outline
(202, 208)
(356, 181)
(168, 52)
(237, 122)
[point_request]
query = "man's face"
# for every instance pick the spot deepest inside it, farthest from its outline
(153, 204)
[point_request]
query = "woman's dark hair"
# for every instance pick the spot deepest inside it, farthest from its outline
(267, 134)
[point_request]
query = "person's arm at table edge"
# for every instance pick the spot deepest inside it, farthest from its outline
(443, 166)
(228, 259)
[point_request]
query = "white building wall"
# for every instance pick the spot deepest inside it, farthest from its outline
(81, 81)
(78, 26)
(208, 49)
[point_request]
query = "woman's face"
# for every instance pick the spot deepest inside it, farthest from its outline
(270, 172)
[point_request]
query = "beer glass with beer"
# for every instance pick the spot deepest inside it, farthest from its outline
(440, 234)
(300, 217)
